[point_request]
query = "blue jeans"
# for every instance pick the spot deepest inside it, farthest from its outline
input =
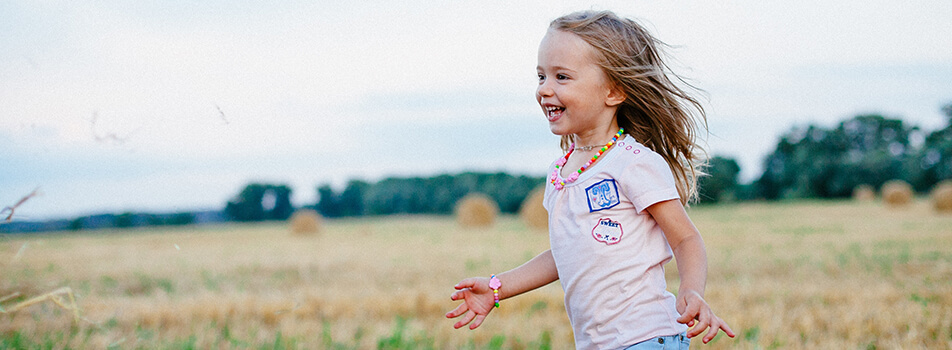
(671, 342)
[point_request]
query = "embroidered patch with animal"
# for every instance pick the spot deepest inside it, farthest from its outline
(602, 195)
(607, 231)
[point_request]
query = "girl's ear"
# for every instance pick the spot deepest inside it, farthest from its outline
(615, 96)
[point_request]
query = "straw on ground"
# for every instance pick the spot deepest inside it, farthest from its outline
(55, 296)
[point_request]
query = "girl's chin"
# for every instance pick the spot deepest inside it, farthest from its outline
(557, 129)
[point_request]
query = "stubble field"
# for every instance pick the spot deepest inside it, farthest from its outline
(805, 275)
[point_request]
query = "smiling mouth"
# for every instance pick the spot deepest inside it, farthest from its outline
(553, 113)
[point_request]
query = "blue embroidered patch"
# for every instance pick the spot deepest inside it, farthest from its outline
(602, 195)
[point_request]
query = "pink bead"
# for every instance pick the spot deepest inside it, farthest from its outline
(572, 177)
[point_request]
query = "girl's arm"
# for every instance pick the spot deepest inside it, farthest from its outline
(478, 297)
(685, 241)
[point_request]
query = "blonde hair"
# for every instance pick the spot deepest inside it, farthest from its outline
(656, 112)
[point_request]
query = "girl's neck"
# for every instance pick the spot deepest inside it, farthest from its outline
(597, 136)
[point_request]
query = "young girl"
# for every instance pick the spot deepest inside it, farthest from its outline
(615, 200)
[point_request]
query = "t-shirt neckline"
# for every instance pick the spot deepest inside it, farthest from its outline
(604, 158)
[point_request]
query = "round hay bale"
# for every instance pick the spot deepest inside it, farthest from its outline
(305, 222)
(532, 212)
(942, 197)
(897, 193)
(864, 193)
(476, 210)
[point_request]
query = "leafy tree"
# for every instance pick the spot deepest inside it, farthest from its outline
(282, 208)
(935, 158)
(351, 200)
(181, 219)
(125, 220)
(258, 202)
(419, 195)
(327, 203)
(947, 110)
(828, 163)
(175, 219)
(721, 182)
(75, 224)
(398, 196)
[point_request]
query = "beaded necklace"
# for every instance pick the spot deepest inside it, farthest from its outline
(557, 180)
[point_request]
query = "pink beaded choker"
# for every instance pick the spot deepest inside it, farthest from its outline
(557, 180)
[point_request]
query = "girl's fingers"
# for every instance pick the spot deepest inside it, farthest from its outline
(468, 316)
(717, 324)
(690, 313)
(698, 316)
(680, 306)
(477, 321)
(459, 310)
(727, 329)
(703, 321)
(466, 283)
(711, 333)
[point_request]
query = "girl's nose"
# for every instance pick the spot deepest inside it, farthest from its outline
(541, 97)
(544, 90)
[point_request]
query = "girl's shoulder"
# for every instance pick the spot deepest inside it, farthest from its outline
(630, 150)
(642, 174)
(634, 159)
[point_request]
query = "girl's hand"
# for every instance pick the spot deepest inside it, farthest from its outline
(477, 302)
(697, 314)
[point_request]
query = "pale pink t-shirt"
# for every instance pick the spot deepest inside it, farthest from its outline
(610, 253)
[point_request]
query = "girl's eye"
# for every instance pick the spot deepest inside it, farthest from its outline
(541, 77)
(561, 77)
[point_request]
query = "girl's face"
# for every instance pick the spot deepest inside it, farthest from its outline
(574, 92)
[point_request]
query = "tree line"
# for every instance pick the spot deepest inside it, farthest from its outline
(808, 162)
(409, 195)
(830, 162)
(817, 162)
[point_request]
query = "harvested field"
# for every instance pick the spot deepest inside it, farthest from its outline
(799, 275)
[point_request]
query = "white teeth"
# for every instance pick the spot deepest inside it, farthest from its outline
(552, 108)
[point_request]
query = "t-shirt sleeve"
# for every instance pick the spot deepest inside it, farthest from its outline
(648, 180)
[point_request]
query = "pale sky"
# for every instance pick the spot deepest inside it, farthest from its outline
(113, 106)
